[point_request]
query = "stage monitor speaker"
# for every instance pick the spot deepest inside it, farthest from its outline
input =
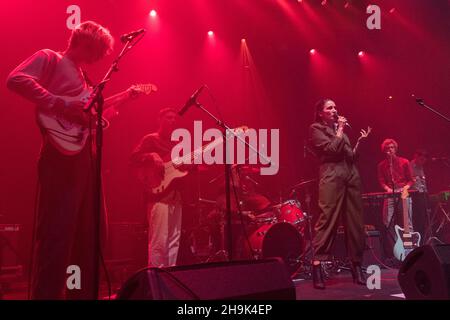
(238, 280)
(425, 273)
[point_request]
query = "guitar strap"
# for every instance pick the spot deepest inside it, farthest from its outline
(87, 79)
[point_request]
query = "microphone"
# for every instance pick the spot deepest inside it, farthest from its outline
(346, 123)
(130, 36)
(192, 100)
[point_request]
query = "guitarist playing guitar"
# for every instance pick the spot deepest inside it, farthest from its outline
(163, 189)
(395, 177)
(65, 235)
(164, 209)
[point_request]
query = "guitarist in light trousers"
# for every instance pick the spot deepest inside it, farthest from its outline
(394, 175)
(64, 226)
(164, 210)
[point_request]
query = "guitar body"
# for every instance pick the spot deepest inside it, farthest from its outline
(407, 240)
(405, 243)
(171, 173)
(159, 187)
(70, 138)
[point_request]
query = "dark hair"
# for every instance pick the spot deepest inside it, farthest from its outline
(319, 108)
(164, 111)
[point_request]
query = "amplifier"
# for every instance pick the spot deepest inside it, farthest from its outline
(373, 252)
(128, 242)
(9, 241)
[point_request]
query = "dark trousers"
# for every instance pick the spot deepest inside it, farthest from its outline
(339, 198)
(65, 225)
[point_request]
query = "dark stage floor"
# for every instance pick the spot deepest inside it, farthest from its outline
(339, 287)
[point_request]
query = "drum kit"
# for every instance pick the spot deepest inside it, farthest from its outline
(261, 229)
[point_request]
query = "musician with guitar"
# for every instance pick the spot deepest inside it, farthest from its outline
(164, 205)
(56, 83)
(395, 176)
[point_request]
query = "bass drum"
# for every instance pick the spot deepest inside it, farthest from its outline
(281, 240)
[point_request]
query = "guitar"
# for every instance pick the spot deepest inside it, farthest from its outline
(406, 240)
(172, 169)
(69, 138)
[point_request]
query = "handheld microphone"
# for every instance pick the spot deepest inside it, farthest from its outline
(346, 123)
(192, 100)
(130, 36)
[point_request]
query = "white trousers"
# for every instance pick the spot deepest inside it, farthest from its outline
(391, 206)
(164, 233)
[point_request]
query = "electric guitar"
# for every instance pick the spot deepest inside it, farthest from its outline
(172, 168)
(69, 138)
(406, 240)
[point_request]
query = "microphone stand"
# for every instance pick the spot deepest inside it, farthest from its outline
(225, 130)
(97, 99)
(395, 204)
(422, 103)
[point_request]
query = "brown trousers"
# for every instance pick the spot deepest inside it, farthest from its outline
(339, 198)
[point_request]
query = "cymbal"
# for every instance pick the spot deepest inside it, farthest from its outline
(303, 183)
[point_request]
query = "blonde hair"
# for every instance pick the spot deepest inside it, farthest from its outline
(93, 35)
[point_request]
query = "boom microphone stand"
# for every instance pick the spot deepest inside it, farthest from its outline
(226, 130)
(95, 102)
(422, 103)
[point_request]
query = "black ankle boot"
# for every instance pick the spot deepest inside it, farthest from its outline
(358, 275)
(317, 274)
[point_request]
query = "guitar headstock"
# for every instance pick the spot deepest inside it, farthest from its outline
(241, 129)
(146, 88)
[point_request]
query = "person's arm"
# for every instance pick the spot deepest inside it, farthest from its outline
(26, 79)
(382, 178)
(142, 151)
(364, 134)
(408, 174)
(147, 164)
(325, 144)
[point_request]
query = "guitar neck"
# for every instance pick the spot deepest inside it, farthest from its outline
(116, 99)
(190, 157)
(405, 215)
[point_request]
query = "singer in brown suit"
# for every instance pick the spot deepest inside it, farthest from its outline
(339, 190)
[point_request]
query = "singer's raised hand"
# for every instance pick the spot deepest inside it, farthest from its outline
(365, 133)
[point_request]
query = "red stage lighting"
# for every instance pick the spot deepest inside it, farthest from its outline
(324, 2)
(392, 10)
(153, 13)
(346, 5)
(361, 54)
(243, 40)
(210, 33)
(312, 51)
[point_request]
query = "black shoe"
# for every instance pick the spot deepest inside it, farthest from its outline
(317, 274)
(358, 275)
